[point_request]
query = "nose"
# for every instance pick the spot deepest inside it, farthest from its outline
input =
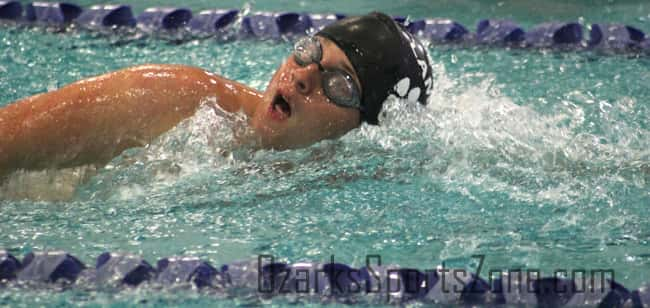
(305, 79)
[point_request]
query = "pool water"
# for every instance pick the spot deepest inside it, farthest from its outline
(535, 159)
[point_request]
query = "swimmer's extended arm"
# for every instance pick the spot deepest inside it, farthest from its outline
(93, 120)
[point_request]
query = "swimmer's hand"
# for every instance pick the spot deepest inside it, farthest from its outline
(91, 121)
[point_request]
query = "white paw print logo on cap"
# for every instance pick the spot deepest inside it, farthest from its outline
(403, 90)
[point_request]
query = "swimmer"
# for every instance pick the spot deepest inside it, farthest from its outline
(330, 84)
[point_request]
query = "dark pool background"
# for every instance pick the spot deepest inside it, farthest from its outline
(534, 159)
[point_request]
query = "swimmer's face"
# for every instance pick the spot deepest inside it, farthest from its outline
(296, 112)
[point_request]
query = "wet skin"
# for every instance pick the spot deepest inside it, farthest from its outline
(311, 116)
(94, 120)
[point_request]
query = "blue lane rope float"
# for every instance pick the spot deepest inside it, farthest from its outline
(293, 23)
(184, 269)
(10, 10)
(212, 21)
(262, 25)
(119, 269)
(9, 266)
(267, 25)
(51, 13)
(605, 38)
(106, 16)
(550, 34)
(615, 37)
(499, 32)
(165, 19)
(49, 267)
(315, 282)
(438, 30)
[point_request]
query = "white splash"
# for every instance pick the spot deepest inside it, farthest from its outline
(471, 135)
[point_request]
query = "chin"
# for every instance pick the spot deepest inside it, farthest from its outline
(269, 137)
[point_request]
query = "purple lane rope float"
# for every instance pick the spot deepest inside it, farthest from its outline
(324, 282)
(601, 37)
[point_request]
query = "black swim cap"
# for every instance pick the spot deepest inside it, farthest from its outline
(387, 59)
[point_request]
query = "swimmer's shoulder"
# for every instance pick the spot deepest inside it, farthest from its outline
(174, 75)
(231, 95)
(180, 70)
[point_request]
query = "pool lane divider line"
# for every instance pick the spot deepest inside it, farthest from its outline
(603, 37)
(313, 281)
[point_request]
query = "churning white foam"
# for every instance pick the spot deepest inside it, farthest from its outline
(472, 135)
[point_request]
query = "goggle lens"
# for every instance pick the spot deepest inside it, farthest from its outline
(307, 50)
(340, 88)
(338, 85)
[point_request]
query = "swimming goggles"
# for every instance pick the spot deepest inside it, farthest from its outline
(338, 85)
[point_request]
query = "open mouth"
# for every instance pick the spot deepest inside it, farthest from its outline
(280, 108)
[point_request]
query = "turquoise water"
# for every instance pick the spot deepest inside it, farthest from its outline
(534, 159)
